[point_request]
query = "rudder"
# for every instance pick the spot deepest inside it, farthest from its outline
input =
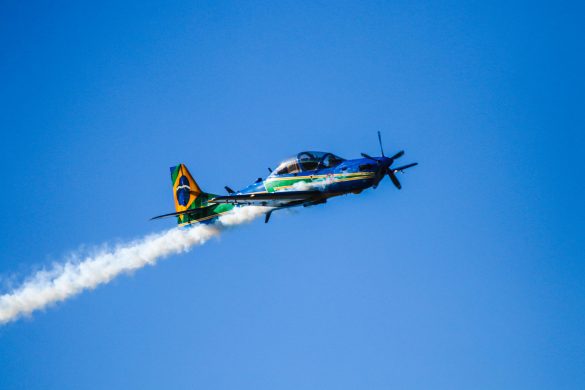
(185, 188)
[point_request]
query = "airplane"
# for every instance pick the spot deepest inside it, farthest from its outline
(307, 179)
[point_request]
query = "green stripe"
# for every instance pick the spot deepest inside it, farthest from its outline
(174, 174)
(273, 184)
(205, 213)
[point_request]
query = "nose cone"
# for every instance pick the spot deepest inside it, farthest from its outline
(387, 161)
(381, 169)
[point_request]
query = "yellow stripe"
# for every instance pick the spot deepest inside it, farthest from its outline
(355, 178)
(319, 176)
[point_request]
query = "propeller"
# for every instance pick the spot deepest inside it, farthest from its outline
(402, 168)
(385, 164)
(394, 179)
(397, 155)
(368, 156)
(380, 142)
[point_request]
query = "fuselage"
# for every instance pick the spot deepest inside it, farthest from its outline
(347, 176)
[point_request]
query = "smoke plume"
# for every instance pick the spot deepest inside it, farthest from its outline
(70, 278)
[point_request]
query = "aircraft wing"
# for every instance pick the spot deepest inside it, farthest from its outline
(275, 199)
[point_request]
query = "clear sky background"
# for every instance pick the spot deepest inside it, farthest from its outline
(471, 277)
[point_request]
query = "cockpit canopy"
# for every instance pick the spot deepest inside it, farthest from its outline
(308, 161)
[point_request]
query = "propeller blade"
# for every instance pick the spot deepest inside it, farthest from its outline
(368, 156)
(380, 142)
(394, 179)
(402, 168)
(397, 155)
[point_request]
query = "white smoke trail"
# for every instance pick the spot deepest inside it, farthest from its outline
(72, 277)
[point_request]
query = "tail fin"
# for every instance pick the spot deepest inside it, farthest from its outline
(185, 190)
(191, 204)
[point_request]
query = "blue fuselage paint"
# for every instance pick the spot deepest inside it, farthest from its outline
(350, 176)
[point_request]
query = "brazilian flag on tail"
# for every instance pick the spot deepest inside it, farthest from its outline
(190, 201)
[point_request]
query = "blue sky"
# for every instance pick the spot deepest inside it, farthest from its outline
(470, 277)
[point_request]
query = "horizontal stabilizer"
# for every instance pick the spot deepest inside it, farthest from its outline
(175, 214)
